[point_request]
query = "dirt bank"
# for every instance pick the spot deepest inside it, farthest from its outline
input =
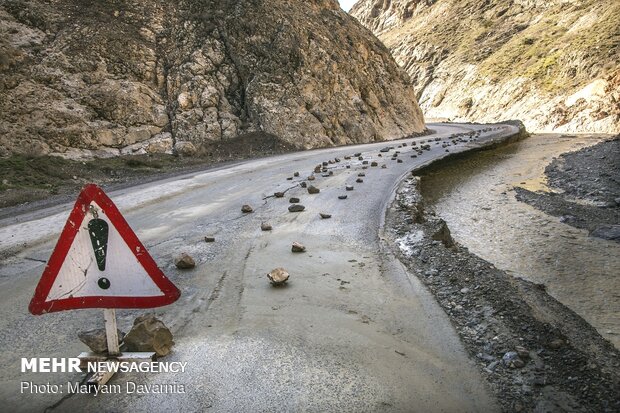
(35, 182)
(586, 190)
(535, 353)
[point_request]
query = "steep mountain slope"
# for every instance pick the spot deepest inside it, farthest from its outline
(84, 77)
(553, 64)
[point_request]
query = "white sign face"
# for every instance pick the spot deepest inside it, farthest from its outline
(99, 262)
(80, 276)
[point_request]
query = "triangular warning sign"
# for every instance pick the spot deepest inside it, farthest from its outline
(99, 262)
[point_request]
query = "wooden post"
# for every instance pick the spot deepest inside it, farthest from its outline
(111, 331)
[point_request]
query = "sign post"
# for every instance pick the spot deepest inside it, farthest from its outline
(111, 332)
(99, 262)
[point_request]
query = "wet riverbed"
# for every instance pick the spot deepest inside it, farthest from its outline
(476, 198)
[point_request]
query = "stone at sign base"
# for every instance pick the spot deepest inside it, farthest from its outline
(184, 262)
(278, 276)
(96, 339)
(149, 334)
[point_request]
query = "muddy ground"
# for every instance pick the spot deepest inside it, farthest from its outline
(535, 353)
(586, 190)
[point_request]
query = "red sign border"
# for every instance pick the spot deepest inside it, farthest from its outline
(91, 192)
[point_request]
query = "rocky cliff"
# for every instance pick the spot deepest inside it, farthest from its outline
(88, 77)
(553, 64)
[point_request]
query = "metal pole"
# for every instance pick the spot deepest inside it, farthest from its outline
(111, 331)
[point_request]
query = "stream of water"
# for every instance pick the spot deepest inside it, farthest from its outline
(475, 197)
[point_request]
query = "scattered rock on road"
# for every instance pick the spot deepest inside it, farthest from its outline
(311, 177)
(96, 339)
(296, 174)
(297, 247)
(279, 194)
(296, 208)
(209, 239)
(184, 262)
(342, 197)
(265, 227)
(149, 334)
(246, 209)
(313, 189)
(349, 187)
(278, 276)
(359, 180)
(294, 200)
(373, 163)
(303, 184)
(325, 216)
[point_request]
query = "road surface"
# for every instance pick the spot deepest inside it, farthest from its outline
(352, 330)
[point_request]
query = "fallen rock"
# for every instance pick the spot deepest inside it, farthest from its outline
(184, 262)
(313, 189)
(296, 208)
(361, 174)
(373, 163)
(246, 209)
(342, 197)
(278, 276)
(349, 187)
(359, 180)
(209, 239)
(297, 247)
(441, 232)
(265, 227)
(357, 154)
(522, 352)
(185, 148)
(149, 334)
(296, 174)
(96, 339)
(399, 161)
(325, 216)
(293, 200)
(608, 232)
(512, 360)
(384, 166)
(317, 169)
(279, 194)
(311, 177)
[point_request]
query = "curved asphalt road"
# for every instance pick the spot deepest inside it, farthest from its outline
(352, 330)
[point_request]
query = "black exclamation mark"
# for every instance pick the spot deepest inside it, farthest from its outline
(98, 231)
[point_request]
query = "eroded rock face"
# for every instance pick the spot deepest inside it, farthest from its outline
(552, 64)
(145, 76)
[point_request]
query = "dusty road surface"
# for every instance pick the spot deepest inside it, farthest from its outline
(352, 330)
